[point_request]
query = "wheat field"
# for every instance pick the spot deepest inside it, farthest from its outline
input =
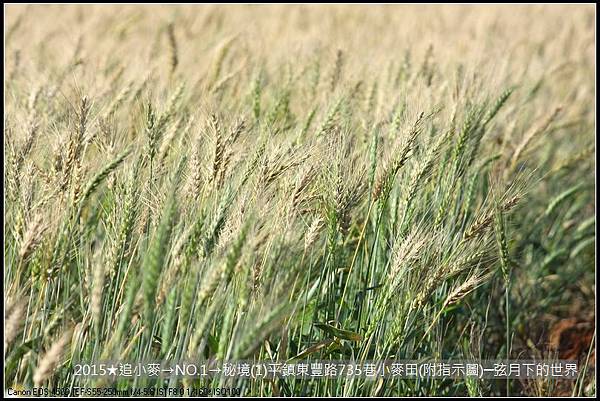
(299, 183)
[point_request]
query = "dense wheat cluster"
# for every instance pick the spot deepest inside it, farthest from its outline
(298, 183)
